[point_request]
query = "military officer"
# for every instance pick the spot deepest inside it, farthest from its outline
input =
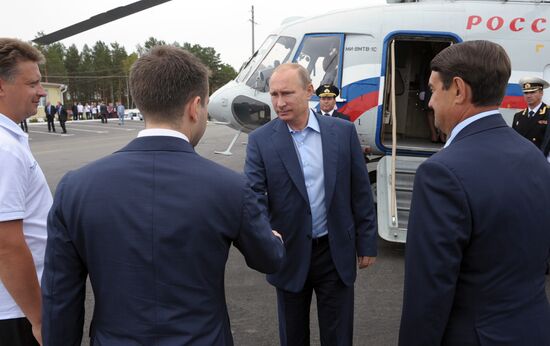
(327, 101)
(531, 122)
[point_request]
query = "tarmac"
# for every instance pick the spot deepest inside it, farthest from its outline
(251, 301)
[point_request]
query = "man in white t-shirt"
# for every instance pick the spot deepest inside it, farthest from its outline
(25, 198)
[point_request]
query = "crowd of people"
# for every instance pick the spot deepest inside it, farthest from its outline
(478, 240)
(98, 110)
(79, 112)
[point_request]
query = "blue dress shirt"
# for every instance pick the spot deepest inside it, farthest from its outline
(309, 149)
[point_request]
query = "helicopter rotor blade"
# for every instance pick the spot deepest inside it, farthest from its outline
(98, 20)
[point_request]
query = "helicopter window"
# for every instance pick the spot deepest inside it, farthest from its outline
(259, 54)
(250, 113)
(320, 55)
(279, 54)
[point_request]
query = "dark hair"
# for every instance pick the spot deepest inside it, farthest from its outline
(165, 79)
(483, 65)
(13, 51)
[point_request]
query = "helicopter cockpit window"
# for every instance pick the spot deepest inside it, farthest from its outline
(320, 55)
(258, 55)
(279, 54)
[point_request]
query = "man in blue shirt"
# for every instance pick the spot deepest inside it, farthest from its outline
(120, 112)
(310, 174)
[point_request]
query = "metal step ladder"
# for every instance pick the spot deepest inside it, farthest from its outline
(393, 216)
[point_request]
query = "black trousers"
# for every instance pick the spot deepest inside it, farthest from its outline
(51, 126)
(334, 304)
(16, 332)
(62, 123)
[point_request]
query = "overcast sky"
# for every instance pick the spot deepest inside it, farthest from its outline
(223, 25)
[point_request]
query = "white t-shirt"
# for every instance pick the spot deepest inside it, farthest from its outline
(24, 194)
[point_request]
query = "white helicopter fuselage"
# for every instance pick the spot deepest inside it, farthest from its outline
(353, 50)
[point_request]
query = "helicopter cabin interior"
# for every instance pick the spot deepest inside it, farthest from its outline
(414, 119)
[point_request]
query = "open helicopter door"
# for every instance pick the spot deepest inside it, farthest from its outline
(405, 127)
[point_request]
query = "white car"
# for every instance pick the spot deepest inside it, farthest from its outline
(131, 113)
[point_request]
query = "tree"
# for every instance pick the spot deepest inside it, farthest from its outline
(150, 43)
(126, 65)
(87, 84)
(221, 73)
(72, 66)
(101, 72)
(224, 74)
(118, 84)
(53, 70)
(102, 68)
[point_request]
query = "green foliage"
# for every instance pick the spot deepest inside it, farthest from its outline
(54, 70)
(220, 73)
(100, 72)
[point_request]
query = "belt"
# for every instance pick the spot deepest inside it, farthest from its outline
(320, 240)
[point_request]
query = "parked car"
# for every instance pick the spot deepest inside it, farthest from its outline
(131, 113)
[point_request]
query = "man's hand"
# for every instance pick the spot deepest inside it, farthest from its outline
(365, 261)
(275, 233)
(37, 332)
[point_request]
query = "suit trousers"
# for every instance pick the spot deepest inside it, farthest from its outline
(16, 332)
(62, 124)
(334, 303)
(51, 125)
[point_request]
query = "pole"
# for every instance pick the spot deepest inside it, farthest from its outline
(252, 21)
(252, 29)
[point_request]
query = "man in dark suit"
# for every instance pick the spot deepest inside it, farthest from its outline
(310, 173)
(74, 110)
(327, 101)
(62, 116)
(478, 235)
(50, 114)
(532, 122)
(545, 147)
(156, 256)
(103, 112)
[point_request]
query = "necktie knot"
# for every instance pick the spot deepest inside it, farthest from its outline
(531, 113)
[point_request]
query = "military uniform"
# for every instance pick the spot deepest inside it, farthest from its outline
(532, 127)
(528, 123)
(329, 90)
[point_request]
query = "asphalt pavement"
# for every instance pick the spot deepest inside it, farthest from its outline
(251, 300)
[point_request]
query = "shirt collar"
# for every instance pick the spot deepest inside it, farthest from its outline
(11, 126)
(461, 125)
(162, 132)
(312, 123)
(536, 109)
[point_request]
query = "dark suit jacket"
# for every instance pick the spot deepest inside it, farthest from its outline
(154, 238)
(50, 111)
(103, 109)
(337, 114)
(533, 127)
(274, 171)
(477, 243)
(545, 147)
(62, 113)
